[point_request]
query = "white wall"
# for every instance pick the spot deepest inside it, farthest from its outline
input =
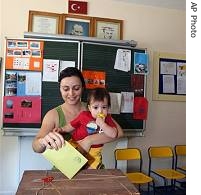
(156, 29)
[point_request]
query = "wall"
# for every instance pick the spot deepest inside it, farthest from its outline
(156, 29)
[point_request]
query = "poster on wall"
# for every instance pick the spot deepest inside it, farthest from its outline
(24, 55)
(22, 83)
(24, 109)
(94, 79)
(141, 63)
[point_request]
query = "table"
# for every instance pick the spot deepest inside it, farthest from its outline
(86, 182)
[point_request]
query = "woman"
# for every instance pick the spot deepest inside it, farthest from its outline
(71, 87)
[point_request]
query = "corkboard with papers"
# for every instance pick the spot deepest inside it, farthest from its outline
(169, 80)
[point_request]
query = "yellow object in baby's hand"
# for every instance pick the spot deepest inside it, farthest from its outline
(101, 115)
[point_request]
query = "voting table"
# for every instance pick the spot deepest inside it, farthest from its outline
(85, 182)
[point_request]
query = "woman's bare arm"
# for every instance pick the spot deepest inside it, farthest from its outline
(45, 138)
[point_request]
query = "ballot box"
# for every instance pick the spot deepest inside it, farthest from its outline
(86, 182)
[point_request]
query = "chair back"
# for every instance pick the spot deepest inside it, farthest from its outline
(180, 150)
(128, 154)
(180, 160)
(160, 152)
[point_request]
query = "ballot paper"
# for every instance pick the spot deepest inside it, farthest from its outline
(67, 159)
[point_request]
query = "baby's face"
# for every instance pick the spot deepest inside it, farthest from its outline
(97, 107)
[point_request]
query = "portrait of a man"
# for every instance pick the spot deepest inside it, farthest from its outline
(108, 30)
(78, 28)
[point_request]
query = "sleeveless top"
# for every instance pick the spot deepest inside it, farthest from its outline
(62, 122)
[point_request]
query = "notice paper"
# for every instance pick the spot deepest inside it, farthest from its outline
(67, 159)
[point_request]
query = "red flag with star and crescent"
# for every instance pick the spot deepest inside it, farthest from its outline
(77, 7)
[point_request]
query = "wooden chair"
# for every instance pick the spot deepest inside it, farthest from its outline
(137, 177)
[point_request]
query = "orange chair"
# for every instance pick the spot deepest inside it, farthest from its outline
(137, 177)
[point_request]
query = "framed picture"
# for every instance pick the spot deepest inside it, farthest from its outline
(106, 28)
(169, 80)
(44, 22)
(76, 25)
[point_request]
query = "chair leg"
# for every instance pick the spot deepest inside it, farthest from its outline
(165, 184)
(139, 187)
(153, 187)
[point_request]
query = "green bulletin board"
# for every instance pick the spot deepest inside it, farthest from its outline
(99, 57)
(89, 56)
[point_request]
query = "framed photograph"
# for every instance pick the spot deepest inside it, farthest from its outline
(44, 22)
(169, 80)
(77, 25)
(105, 28)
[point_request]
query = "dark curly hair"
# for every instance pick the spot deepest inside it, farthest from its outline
(71, 71)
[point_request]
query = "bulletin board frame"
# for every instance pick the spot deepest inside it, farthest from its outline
(156, 73)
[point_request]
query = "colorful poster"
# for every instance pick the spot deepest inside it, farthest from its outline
(26, 109)
(140, 63)
(137, 84)
(11, 83)
(94, 79)
(24, 55)
(22, 83)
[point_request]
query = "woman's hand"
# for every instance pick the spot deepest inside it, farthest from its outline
(52, 140)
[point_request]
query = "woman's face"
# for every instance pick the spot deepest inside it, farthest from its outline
(71, 89)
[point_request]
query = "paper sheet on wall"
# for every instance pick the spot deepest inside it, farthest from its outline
(168, 68)
(33, 83)
(127, 99)
(115, 103)
(181, 78)
(65, 64)
(50, 70)
(168, 84)
(123, 60)
(67, 159)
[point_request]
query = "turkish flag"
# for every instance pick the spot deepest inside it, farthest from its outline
(77, 7)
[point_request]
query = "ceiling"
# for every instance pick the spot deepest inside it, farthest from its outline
(170, 4)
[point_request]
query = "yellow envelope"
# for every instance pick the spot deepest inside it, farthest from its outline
(67, 159)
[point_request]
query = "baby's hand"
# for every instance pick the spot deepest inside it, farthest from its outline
(100, 121)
